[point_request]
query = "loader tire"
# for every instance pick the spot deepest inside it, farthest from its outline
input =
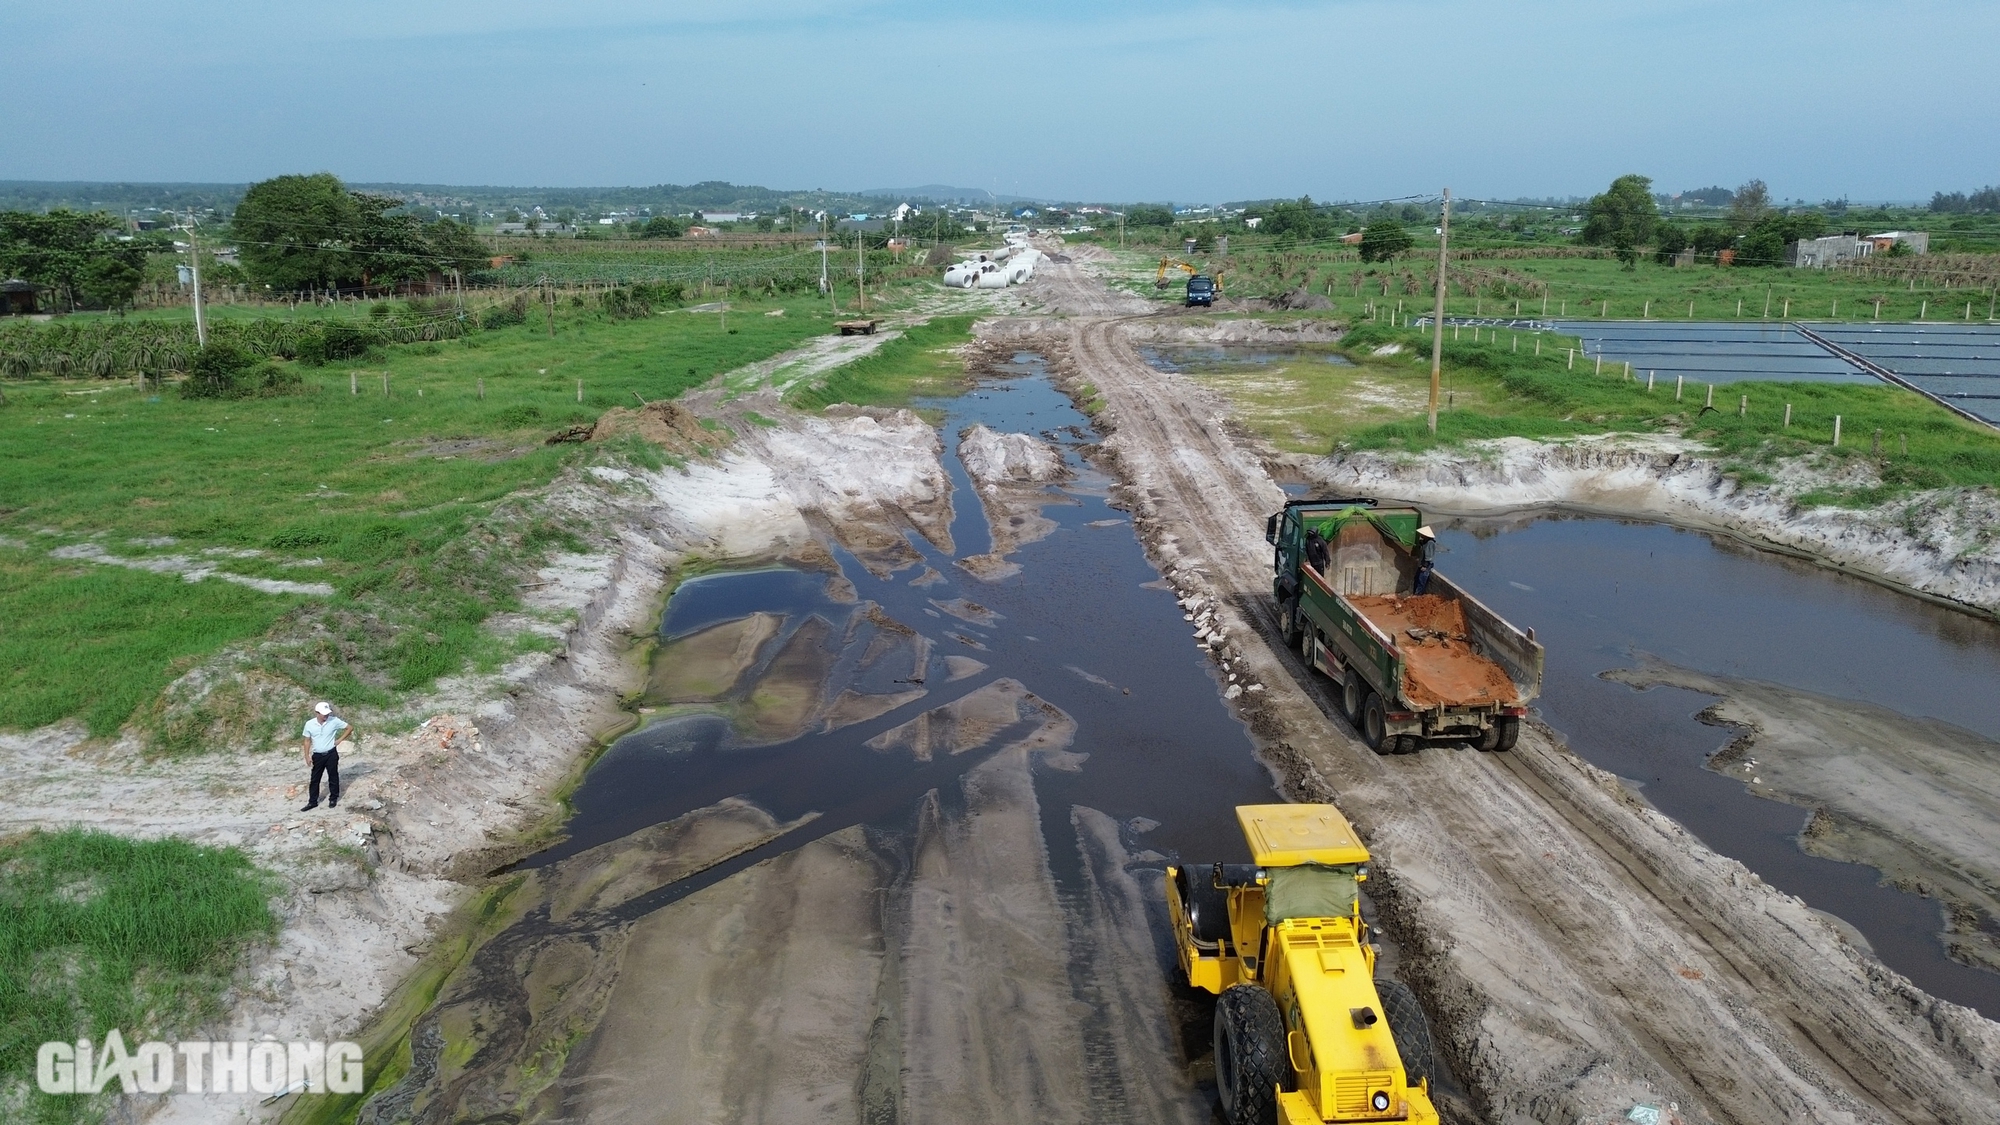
(1409, 1027)
(1502, 735)
(1250, 1059)
(1353, 692)
(1375, 725)
(1288, 621)
(1207, 905)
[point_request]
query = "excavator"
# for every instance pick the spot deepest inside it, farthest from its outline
(1201, 288)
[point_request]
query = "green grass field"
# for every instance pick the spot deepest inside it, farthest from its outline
(97, 932)
(395, 501)
(924, 360)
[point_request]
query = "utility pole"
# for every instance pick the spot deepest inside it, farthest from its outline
(861, 268)
(194, 275)
(1437, 317)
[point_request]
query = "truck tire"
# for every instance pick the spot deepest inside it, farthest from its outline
(1409, 1028)
(1375, 725)
(1502, 735)
(1250, 1059)
(1207, 904)
(1288, 621)
(1353, 692)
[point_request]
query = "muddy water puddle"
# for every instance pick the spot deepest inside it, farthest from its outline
(1863, 692)
(887, 848)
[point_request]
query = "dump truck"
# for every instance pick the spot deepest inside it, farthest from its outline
(1416, 657)
(1304, 1031)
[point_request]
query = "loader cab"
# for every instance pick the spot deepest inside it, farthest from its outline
(1305, 1033)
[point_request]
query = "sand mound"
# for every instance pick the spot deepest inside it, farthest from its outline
(663, 423)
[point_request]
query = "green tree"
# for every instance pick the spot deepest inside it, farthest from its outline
(1149, 215)
(293, 231)
(1764, 245)
(1750, 204)
(1304, 221)
(1623, 217)
(74, 255)
(663, 226)
(1669, 239)
(302, 232)
(1382, 241)
(1710, 238)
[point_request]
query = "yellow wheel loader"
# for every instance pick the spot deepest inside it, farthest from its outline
(1304, 1033)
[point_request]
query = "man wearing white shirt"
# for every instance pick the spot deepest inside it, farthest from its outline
(321, 740)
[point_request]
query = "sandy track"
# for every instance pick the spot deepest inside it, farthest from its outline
(1580, 953)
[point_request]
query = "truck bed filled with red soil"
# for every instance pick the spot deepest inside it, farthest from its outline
(1441, 665)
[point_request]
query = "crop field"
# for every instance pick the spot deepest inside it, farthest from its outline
(1578, 283)
(349, 537)
(701, 267)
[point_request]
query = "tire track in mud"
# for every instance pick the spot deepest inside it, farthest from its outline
(1580, 952)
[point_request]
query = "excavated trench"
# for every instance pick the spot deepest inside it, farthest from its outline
(889, 846)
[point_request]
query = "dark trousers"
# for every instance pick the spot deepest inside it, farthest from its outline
(328, 764)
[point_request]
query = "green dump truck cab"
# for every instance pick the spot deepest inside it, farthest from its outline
(1416, 657)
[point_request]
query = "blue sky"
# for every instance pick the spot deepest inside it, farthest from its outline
(1109, 99)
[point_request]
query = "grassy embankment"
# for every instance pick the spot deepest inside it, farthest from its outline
(394, 501)
(1312, 405)
(924, 360)
(98, 932)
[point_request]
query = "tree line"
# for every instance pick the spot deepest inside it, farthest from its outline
(293, 234)
(79, 259)
(1626, 218)
(297, 233)
(1986, 199)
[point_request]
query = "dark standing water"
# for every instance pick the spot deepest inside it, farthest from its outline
(1085, 626)
(1602, 592)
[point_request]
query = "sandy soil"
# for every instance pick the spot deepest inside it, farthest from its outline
(856, 974)
(1917, 799)
(1578, 952)
(1011, 473)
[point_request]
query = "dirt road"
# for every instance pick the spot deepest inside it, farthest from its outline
(1580, 953)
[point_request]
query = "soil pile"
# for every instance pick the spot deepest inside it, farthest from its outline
(1442, 666)
(662, 423)
(996, 458)
(1301, 300)
(1010, 473)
